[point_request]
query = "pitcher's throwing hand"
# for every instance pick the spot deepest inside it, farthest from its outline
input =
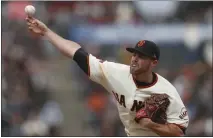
(36, 26)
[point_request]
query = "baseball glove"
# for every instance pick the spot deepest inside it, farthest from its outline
(154, 108)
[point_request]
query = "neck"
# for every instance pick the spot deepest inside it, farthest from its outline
(144, 77)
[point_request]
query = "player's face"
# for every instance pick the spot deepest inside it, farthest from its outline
(141, 64)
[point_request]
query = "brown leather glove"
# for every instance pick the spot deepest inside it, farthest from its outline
(155, 108)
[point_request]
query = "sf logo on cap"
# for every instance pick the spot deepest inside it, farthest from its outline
(140, 43)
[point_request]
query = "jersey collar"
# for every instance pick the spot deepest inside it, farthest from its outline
(146, 85)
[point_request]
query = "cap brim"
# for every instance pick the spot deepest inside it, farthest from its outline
(132, 50)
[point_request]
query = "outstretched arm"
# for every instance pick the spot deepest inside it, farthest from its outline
(67, 47)
(92, 66)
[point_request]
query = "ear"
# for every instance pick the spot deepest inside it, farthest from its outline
(154, 62)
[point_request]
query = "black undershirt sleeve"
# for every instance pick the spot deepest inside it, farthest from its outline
(81, 58)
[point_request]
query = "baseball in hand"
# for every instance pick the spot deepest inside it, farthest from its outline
(29, 10)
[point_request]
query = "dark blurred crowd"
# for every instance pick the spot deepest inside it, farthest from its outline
(27, 108)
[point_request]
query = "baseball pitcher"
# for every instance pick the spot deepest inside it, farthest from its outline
(148, 104)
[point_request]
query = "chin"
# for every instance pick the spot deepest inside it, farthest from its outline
(134, 72)
(137, 71)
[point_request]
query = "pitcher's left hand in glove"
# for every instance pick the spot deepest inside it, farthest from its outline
(154, 109)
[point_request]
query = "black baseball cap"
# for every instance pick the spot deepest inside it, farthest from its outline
(147, 48)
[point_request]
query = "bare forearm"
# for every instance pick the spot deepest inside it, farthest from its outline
(165, 130)
(67, 47)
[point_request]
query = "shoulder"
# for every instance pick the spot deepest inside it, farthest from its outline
(169, 89)
(116, 69)
(107, 68)
(166, 87)
(109, 65)
(117, 66)
(164, 83)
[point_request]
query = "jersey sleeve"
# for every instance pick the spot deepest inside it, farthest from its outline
(177, 114)
(97, 70)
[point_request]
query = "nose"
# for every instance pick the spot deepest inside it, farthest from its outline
(135, 58)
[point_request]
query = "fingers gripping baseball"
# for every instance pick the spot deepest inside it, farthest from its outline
(35, 26)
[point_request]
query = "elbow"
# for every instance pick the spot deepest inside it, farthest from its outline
(178, 130)
(178, 133)
(172, 134)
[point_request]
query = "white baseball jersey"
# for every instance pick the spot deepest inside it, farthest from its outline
(117, 80)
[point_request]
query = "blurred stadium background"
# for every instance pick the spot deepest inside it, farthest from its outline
(46, 94)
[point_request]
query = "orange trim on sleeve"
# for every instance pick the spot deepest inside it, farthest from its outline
(103, 73)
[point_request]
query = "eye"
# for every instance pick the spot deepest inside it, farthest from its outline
(143, 57)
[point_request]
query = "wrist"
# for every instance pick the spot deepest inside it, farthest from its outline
(46, 32)
(146, 122)
(151, 124)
